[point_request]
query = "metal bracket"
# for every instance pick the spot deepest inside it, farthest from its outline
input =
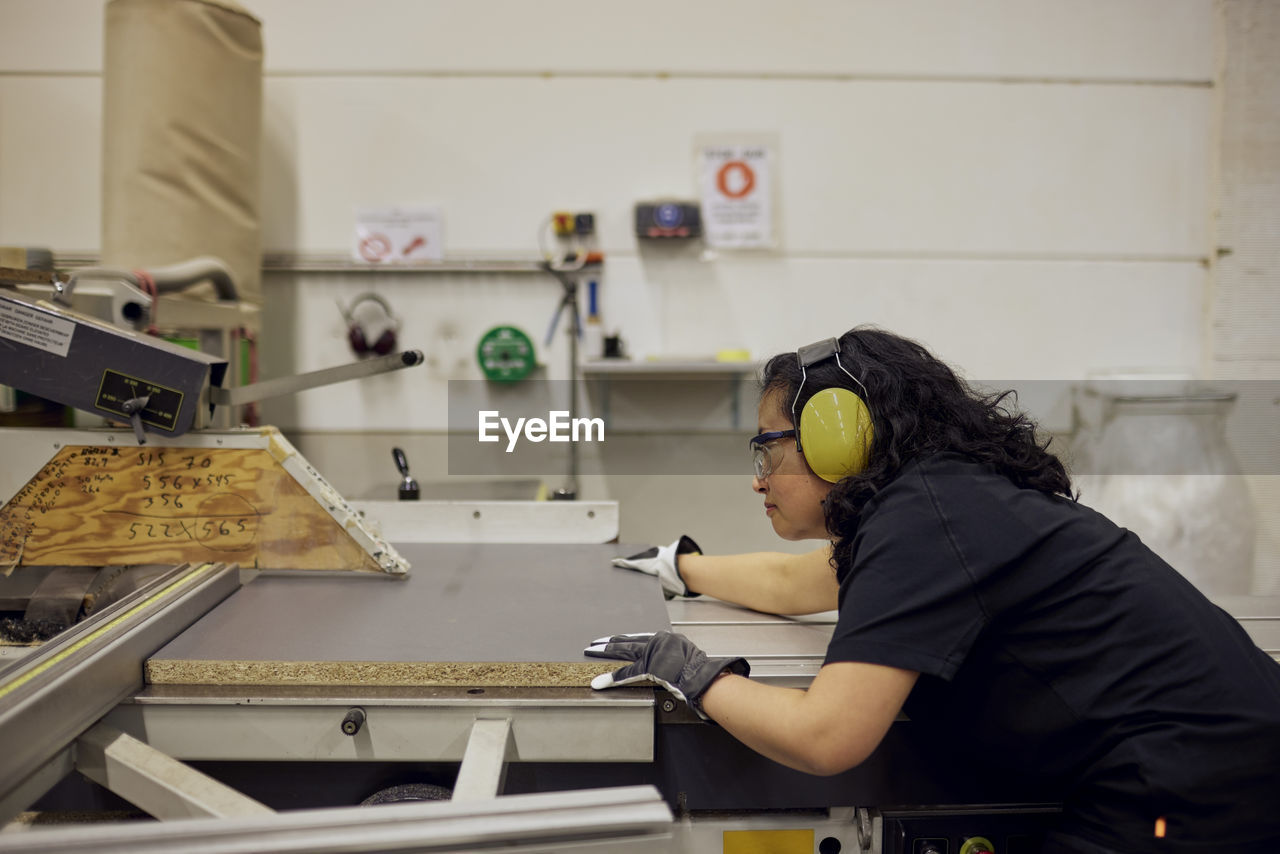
(866, 828)
(484, 765)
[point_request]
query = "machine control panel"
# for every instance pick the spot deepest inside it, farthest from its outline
(1011, 830)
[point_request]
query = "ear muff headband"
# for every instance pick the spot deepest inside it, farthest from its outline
(359, 338)
(834, 429)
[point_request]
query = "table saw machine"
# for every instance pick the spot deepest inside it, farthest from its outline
(215, 634)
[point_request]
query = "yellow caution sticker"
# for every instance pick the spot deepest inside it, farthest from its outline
(768, 842)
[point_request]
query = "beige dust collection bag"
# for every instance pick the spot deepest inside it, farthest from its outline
(182, 125)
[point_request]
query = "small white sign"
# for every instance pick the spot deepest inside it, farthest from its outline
(35, 328)
(398, 235)
(737, 196)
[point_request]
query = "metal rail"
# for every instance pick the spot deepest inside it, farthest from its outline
(54, 695)
(625, 819)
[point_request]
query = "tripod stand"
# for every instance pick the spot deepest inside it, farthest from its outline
(568, 280)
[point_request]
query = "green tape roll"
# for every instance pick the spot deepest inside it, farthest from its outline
(505, 355)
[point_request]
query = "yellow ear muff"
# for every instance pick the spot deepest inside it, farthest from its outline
(835, 433)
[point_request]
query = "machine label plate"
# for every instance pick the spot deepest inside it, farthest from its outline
(161, 410)
(35, 328)
(768, 841)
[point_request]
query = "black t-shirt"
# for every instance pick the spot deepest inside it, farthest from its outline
(1054, 644)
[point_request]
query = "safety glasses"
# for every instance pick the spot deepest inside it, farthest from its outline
(762, 451)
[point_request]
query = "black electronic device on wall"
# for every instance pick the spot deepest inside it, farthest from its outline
(668, 219)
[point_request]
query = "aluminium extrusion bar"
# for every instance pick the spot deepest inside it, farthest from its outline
(588, 821)
(17, 798)
(157, 783)
(239, 395)
(403, 724)
(493, 521)
(76, 678)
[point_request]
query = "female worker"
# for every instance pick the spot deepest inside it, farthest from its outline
(977, 596)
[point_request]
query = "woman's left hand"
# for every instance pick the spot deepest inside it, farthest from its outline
(665, 658)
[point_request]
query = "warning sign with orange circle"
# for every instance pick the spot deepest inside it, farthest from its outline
(737, 197)
(735, 179)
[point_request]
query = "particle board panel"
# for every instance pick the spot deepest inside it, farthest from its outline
(469, 615)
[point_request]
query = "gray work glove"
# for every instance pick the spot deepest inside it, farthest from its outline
(660, 561)
(665, 658)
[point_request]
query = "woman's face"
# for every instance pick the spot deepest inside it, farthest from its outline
(792, 493)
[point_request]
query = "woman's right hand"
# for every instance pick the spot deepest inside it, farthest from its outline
(662, 562)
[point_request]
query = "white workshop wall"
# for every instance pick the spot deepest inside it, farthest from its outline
(1026, 185)
(986, 176)
(1244, 341)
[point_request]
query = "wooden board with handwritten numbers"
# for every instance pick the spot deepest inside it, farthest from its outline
(107, 504)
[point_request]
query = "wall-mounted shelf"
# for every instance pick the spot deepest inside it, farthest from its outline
(667, 368)
(289, 262)
(604, 370)
(336, 262)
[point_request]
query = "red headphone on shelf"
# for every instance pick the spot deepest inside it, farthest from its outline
(358, 335)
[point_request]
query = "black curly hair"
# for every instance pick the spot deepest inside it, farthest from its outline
(919, 406)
